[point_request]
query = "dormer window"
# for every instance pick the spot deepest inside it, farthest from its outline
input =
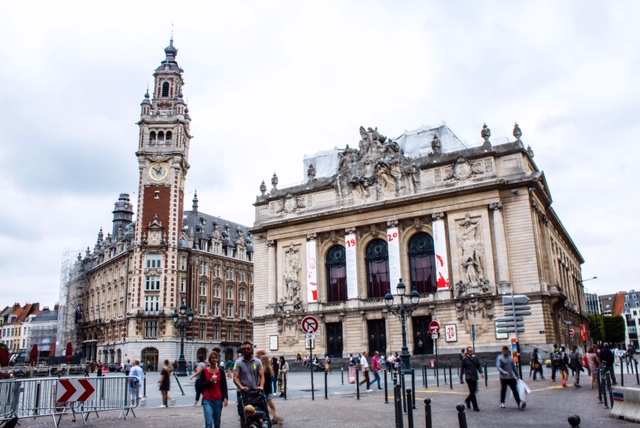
(165, 89)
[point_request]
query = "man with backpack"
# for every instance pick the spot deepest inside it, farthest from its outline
(556, 361)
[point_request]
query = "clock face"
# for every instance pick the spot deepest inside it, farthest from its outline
(158, 171)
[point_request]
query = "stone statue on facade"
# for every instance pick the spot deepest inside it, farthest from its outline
(292, 267)
(471, 258)
(311, 172)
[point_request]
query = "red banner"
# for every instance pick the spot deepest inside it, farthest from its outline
(584, 332)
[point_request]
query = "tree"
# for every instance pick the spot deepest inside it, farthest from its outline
(614, 329)
(596, 327)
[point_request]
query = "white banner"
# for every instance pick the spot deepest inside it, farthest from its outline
(442, 261)
(352, 271)
(312, 273)
(393, 242)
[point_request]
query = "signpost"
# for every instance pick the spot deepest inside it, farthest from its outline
(571, 332)
(309, 326)
(434, 329)
(515, 309)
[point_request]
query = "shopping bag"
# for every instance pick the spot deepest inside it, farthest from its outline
(352, 374)
(523, 389)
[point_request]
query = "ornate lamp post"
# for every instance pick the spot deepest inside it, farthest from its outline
(403, 311)
(182, 322)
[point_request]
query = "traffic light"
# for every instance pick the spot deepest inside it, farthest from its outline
(515, 309)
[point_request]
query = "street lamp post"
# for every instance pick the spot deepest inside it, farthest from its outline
(182, 322)
(403, 311)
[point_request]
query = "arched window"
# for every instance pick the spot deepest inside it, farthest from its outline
(336, 265)
(160, 137)
(165, 89)
(168, 137)
(152, 137)
(377, 258)
(422, 263)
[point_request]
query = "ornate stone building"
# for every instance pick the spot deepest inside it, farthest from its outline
(462, 225)
(122, 294)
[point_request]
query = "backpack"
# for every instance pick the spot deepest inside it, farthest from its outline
(557, 358)
(134, 382)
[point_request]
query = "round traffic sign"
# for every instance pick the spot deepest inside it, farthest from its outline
(572, 332)
(434, 327)
(309, 324)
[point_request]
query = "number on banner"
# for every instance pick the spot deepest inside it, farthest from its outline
(351, 243)
(392, 236)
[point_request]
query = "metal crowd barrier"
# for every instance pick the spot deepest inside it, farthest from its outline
(31, 398)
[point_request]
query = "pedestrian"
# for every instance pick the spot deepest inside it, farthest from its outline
(275, 365)
(165, 383)
(127, 367)
(230, 363)
(189, 367)
(214, 391)
(200, 366)
(99, 370)
(268, 387)
(470, 369)
(508, 377)
(594, 364)
(87, 369)
(575, 363)
(327, 363)
(375, 366)
(298, 357)
(148, 365)
(137, 378)
(536, 364)
(563, 367)
(396, 363)
(283, 373)
(607, 358)
(364, 367)
(248, 374)
(556, 361)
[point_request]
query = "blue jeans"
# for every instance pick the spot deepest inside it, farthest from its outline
(274, 383)
(212, 413)
(376, 373)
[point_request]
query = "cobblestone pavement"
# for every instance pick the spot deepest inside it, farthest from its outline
(548, 405)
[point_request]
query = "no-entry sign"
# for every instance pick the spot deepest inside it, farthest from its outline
(434, 327)
(309, 324)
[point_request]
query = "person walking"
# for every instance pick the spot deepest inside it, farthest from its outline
(470, 369)
(575, 363)
(275, 365)
(248, 374)
(200, 366)
(327, 363)
(268, 387)
(364, 366)
(165, 383)
(608, 360)
(508, 377)
(283, 372)
(134, 383)
(214, 392)
(594, 364)
(562, 366)
(536, 364)
(376, 367)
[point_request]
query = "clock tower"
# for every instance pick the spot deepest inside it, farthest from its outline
(163, 154)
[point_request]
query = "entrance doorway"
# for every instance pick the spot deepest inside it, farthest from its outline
(421, 334)
(334, 339)
(150, 359)
(377, 336)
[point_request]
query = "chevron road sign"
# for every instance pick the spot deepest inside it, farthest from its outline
(74, 390)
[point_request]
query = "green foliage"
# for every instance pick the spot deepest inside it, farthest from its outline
(614, 329)
(596, 328)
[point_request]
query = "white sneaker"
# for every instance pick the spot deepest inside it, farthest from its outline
(369, 390)
(162, 405)
(502, 405)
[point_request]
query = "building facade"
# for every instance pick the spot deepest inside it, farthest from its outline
(593, 303)
(462, 225)
(121, 295)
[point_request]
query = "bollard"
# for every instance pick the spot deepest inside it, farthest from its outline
(621, 374)
(326, 391)
(574, 421)
(450, 378)
(402, 388)
(486, 376)
(409, 409)
(178, 382)
(427, 413)
(609, 389)
(462, 417)
(386, 391)
(357, 383)
(342, 373)
(604, 390)
(635, 363)
(397, 399)
(598, 378)
(437, 375)
(413, 388)
(424, 375)
(444, 373)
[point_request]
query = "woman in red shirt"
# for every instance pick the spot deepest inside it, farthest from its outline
(214, 392)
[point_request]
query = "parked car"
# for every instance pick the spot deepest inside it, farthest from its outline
(113, 367)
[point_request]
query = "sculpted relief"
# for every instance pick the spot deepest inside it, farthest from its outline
(471, 258)
(377, 168)
(292, 267)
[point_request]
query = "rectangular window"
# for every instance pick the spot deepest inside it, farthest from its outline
(183, 285)
(216, 309)
(204, 245)
(154, 261)
(243, 276)
(229, 332)
(229, 292)
(216, 271)
(183, 263)
(152, 283)
(203, 307)
(229, 273)
(241, 312)
(230, 310)
(243, 333)
(242, 294)
(203, 268)
(216, 290)
(151, 329)
(203, 288)
(151, 304)
(216, 332)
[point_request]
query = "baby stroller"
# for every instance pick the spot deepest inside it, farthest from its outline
(259, 401)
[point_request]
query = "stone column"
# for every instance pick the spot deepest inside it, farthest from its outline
(500, 238)
(271, 274)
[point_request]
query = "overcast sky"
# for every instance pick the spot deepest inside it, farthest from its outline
(270, 81)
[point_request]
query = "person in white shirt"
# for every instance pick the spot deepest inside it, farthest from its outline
(364, 366)
(134, 387)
